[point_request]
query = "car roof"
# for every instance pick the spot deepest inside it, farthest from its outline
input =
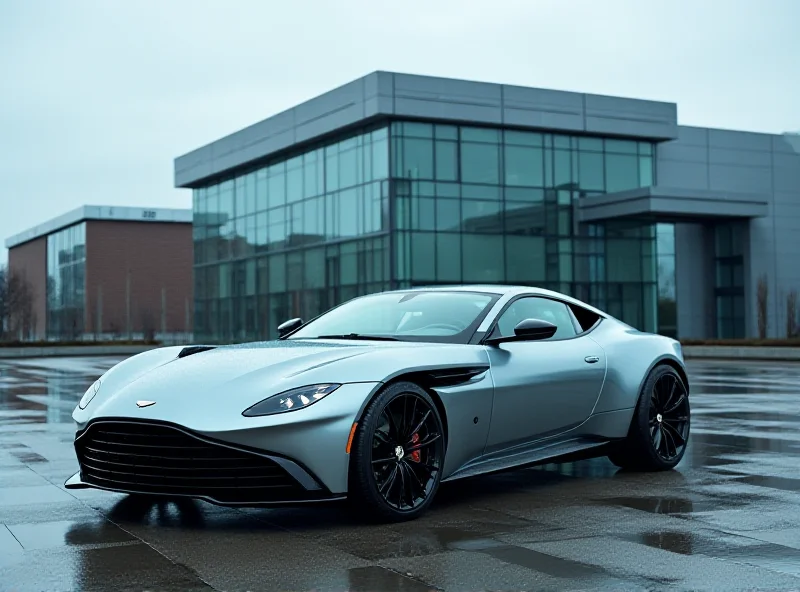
(502, 291)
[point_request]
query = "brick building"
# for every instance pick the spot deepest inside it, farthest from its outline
(101, 272)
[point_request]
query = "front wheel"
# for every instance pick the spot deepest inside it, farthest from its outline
(397, 454)
(659, 429)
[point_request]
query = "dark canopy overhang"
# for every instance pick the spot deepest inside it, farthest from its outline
(672, 204)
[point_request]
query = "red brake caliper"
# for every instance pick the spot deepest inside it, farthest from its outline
(415, 456)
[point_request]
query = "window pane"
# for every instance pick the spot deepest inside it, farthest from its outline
(562, 168)
(524, 166)
(621, 146)
(591, 144)
(423, 213)
(414, 158)
(448, 214)
(423, 263)
(448, 257)
(623, 258)
(314, 270)
(621, 172)
(481, 255)
(294, 179)
(525, 259)
(524, 218)
(446, 161)
(446, 132)
(348, 167)
(480, 163)
(417, 130)
(645, 171)
(523, 138)
(277, 185)
(347, 210)
(481, 216)
(591, 171)
(480, 134)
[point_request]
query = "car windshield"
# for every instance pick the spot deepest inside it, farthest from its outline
(413, 316)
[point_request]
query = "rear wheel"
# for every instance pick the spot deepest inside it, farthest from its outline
(659, 429)
(397, 454)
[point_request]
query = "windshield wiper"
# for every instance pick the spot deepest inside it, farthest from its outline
(358, 336)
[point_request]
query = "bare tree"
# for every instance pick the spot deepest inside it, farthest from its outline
(17, 316)
(791, 313)
(148, 325)
(762, 293)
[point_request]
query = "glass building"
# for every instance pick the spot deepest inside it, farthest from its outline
(105, 273)
(396, 180)
(66, 282)
(412, 203)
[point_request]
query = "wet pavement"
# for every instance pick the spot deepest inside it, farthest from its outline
(728, 518)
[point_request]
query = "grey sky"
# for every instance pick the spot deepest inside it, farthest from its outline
(100, 96)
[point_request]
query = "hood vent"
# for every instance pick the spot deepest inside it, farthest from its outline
(195, 349)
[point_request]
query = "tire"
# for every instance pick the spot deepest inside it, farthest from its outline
(379, 451)
(659, 430)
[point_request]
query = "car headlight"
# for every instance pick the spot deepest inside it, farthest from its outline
(298, 398)
(89, 394)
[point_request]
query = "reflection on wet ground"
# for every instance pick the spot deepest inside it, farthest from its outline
(728, 518)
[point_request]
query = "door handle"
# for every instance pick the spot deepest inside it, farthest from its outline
(591, 359)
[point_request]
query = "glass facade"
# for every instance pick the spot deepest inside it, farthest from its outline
(667, 297)
(66, 282)
(419, 204)
(292, 238)
(729, 285)
(483, 205)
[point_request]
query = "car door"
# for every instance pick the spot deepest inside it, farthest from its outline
(541, 388)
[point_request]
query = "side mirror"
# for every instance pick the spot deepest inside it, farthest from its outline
(535, 329)
(289, 326)
(528, 330)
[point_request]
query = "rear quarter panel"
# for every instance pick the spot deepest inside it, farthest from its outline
(631, 355)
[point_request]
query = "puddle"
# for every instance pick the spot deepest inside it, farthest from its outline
(756, 416)
(56, 534)
(740, 442)
(739, 549)
(661, 505)
(546, 564)
(784, 483)
(28, 457)
(369, 579)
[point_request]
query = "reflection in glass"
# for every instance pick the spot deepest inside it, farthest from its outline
(66, 282)
(729, 243)
(413, 203)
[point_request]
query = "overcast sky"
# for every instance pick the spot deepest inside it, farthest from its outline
(100, 96)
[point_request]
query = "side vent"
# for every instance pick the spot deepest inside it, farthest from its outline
(453, 376)
(195, 349)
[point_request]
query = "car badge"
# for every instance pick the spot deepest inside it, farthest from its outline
(141, 404)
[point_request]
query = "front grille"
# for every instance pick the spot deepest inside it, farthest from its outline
(159, 459)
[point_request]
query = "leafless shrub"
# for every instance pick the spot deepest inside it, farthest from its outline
(791, 313)
(17, 316)
(762, 293)
(148, 326)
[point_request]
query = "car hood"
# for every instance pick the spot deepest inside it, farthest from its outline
(231, 378)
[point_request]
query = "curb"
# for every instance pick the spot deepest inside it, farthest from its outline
(726, 352)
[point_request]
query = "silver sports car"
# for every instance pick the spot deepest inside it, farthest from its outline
(382, 398)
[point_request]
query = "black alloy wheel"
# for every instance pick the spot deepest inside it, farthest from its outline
(659, 430)
(398, 453)
(669, 417)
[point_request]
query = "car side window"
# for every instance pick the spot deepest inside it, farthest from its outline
(533, 307)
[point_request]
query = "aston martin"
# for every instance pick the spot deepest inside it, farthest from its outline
(381, 399)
